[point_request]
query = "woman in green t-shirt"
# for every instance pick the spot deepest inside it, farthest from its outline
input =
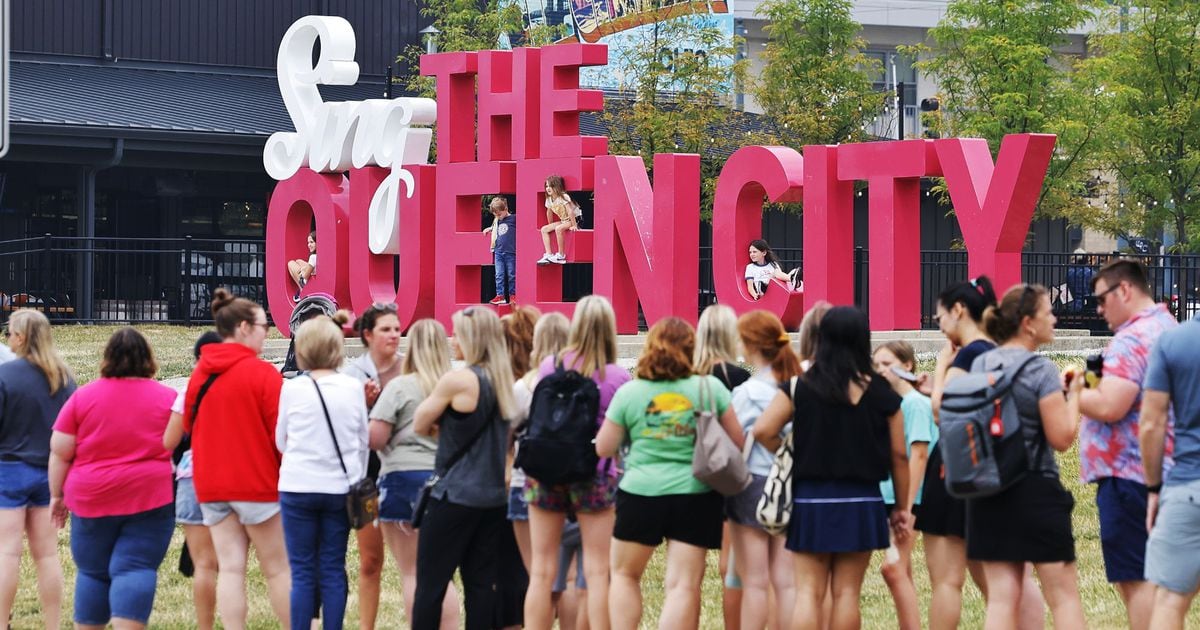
(658, 497)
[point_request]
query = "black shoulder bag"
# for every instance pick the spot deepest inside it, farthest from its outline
(185, 444)
(186, 566)
(422, 502)
(362, 499)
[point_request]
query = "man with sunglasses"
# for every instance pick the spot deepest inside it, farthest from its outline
(1108, 438)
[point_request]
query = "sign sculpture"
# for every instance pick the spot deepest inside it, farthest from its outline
(596, 18)
(360, 172)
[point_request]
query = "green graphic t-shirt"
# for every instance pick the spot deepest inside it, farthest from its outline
(659, 418)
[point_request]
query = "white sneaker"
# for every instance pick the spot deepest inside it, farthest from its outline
(546, 259)
(559, 259)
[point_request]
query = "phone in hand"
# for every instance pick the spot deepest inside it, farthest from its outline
(904, 374)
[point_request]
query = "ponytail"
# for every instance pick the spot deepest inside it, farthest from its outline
(762, 332)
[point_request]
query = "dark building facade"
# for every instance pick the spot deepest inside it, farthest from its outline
(143, 119)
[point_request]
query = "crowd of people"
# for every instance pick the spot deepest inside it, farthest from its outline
(245, 458)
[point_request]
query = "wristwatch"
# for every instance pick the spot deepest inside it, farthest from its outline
(1155, 489)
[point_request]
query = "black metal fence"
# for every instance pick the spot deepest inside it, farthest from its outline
(132, 279)
(171, 280)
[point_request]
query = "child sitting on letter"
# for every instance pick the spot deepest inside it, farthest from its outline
(301, 270)
(561, 215)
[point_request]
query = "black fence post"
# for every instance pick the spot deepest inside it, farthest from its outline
(186, 289)
(858, 275)
(47, 271)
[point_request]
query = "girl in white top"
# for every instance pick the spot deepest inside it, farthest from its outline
(312, 483)
(761, 559)
(561, 215)
(763, 268)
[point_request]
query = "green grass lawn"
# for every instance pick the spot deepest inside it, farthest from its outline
(83, 345)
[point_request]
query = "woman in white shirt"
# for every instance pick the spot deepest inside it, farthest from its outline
(763, 268)
(317, 411)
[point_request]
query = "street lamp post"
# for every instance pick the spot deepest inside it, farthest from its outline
(429, 36)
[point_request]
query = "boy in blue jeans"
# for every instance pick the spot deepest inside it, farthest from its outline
(504, 250)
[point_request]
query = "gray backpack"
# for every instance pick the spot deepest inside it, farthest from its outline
(982, 447)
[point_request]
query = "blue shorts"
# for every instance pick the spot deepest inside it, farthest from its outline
(187, 507)
(570, 551)
(1171, 558)
(398, 492)
(518, 507)
(23, 485)
(1122, 507)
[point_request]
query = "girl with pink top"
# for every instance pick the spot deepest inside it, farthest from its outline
(109, 468)
(592, 351)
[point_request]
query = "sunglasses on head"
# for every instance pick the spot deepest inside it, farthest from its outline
(1025, 293)
(382, 307)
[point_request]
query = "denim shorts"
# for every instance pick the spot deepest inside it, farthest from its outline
(248, 512)
(1171, 558)
(570, 550)
(187, 507)
(23, 485)
(518, 507)
(117, 560)
(398, 492)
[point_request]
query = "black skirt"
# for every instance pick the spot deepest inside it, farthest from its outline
(1029, 522)
(938, 513)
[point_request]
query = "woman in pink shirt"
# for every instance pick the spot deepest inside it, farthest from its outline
(109, 469)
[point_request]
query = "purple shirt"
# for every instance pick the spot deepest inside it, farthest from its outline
(614, 377)
(1111, 449)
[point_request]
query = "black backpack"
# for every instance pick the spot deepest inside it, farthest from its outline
(559, 442)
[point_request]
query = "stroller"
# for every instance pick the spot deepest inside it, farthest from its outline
(307, 308)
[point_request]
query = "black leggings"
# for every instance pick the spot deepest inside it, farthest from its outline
(459, 537)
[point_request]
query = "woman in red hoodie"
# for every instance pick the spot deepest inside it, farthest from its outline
(230, 408)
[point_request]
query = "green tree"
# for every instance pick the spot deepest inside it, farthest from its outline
(471, 25)
(815, 86)
(1001, 69)
(677, 76)
(1151, 66)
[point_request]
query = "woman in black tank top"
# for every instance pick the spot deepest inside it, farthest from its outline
(465, 515)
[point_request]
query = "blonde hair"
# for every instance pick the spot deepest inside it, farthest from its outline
(716, 338)
(320, 344)
(428, 355)
(550, 336)
(902, 350)
(481, 339)
(38, 348)
(593, 336)
(808, 330)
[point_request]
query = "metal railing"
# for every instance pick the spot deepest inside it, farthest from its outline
(171, 280)
(132, 279)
